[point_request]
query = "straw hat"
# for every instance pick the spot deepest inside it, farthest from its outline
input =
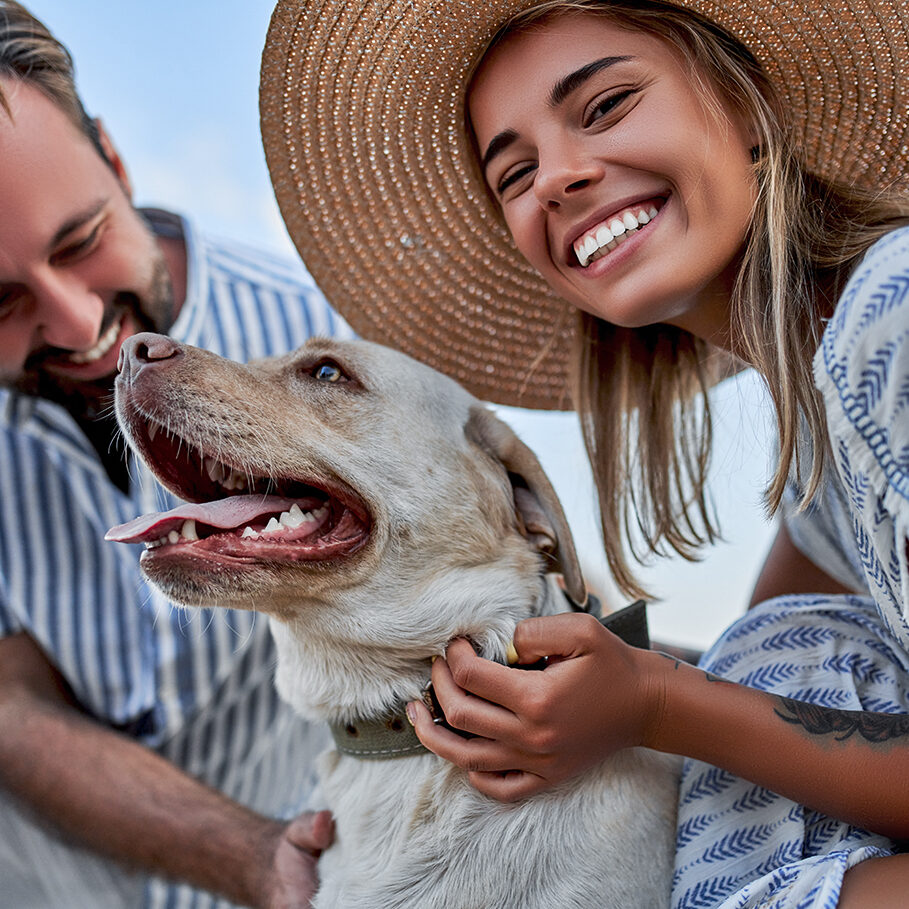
(363, 125)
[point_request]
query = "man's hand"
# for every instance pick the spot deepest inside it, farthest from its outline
(293, 880)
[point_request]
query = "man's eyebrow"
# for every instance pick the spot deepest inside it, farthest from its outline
(567, 84)
(76, 221)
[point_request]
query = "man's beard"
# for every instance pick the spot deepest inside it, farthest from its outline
(152, 312)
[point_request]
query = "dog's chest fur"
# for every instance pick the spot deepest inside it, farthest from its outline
(413, 833)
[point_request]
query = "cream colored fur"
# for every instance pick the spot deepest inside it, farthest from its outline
(450, 553)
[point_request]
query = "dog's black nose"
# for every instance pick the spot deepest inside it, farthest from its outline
(145, 349)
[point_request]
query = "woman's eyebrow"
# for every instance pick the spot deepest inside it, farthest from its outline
(560, 91)
(499, 143)
(567, 84)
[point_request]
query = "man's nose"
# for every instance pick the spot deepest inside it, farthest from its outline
(69, 314)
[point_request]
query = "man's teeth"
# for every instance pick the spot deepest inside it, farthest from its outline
(105, 343)
(606, 237)
(289, 520)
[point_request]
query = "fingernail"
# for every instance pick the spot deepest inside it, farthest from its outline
(411, 712)
(511, 654)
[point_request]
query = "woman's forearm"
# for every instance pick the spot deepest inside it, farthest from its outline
(801, 751)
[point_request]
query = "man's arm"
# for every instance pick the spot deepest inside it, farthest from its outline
(120, 799)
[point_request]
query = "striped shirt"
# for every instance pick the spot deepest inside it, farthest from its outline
(196, 685)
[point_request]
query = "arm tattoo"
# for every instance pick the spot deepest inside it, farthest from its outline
(873, 727)
(677, 662)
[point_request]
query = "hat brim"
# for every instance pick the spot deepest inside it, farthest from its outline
(363, 125)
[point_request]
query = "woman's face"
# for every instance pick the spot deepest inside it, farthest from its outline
(619, 186)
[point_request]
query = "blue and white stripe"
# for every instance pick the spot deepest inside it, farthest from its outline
(196, 685)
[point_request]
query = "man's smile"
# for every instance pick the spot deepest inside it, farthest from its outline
(95, 363)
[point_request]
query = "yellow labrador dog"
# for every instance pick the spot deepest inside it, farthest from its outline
(375, 510)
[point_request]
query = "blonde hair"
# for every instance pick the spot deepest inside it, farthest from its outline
(29, 53)
(641, 394)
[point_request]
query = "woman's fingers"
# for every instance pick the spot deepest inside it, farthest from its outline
(556, 637)
(467, 710)
(474, 754)
(510, 786)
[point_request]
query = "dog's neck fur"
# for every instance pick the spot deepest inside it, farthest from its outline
(327, 680)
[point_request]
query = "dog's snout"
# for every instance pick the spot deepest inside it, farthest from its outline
(146, 349)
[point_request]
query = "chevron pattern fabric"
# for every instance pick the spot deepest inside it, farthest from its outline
(740, 846)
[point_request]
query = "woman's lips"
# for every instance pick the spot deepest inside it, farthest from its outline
(606, 235)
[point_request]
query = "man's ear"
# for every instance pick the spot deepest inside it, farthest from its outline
(113, 158)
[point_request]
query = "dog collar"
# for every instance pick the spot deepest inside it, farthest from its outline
(388, 736)
(392, 736)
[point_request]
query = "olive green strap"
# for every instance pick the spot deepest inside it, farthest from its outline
(390, 736)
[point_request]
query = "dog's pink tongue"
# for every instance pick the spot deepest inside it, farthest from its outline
(223, 513)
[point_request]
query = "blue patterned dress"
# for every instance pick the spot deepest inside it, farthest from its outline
(740, 845)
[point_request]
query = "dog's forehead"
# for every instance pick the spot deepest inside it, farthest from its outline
(380, 367)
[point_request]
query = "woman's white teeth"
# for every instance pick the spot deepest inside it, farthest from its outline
(607, 237)
(603, 236)
(105, 342)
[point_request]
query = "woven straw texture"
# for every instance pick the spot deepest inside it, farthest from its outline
(362, 116)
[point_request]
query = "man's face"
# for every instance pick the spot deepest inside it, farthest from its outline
(79, 269)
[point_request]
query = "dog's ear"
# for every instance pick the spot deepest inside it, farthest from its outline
(536, 504)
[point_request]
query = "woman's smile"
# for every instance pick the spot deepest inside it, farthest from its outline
(628, 192)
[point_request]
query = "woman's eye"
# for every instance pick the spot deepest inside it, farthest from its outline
(514, 176)
(606, 105)
(328, 372)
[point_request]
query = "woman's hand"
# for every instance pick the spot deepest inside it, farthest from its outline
(535, 729)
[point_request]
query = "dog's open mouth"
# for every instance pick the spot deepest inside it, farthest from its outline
(238, 513)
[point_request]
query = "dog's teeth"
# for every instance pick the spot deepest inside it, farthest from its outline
(214, 469)
(235, 480)
(273, 526)
(188, 530)
(249, 533)
(319, 513)
(173, 537)
(293, 518)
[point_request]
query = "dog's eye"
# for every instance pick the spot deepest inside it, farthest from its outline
(328, 371)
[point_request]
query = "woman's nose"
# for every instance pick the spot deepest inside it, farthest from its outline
(563, 173)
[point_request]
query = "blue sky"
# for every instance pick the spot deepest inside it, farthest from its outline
(176, 84)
